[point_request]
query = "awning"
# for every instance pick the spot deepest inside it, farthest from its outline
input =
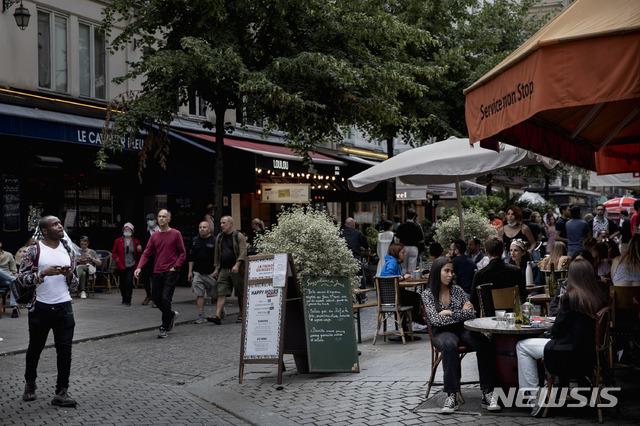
(56, 126)
(267, 150)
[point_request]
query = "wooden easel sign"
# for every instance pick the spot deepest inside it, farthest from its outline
(263, 328)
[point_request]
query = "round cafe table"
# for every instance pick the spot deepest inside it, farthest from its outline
(505, 340)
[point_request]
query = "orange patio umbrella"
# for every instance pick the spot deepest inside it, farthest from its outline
(571, 92)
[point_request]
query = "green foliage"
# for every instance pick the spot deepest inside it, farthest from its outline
(372, 239)
(307, 66)
(476, 224)
(314, 243)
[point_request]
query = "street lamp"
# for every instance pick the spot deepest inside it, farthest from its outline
(21, 14)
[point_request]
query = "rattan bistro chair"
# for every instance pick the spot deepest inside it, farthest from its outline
(485, 300)
(389, 308)
(436, 357)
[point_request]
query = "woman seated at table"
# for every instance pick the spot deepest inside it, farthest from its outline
(520, 257)
(448, 307)
(558, 257)
(625, 271)
(601, 264)
(391, 268)
(569, 351)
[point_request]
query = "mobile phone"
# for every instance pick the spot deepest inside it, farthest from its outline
(65, 268)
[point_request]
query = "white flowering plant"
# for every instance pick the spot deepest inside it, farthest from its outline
(476, 224)
(315, 244)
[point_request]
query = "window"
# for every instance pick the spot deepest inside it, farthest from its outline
(52, 51)
(92, 58)
(197, 105)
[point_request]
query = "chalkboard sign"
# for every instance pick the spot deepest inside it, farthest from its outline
(328, 315)
(10, 203)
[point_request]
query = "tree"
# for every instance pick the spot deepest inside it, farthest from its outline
(306, 66)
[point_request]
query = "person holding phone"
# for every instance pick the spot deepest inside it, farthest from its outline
(49, 265)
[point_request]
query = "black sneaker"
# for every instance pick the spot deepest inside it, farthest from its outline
(162, 333)
(62, 399)
(490, 401)
(15, 313)
(29, 391)
(450, 404)
(173, 321)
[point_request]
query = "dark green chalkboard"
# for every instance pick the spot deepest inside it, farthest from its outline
(328, 316)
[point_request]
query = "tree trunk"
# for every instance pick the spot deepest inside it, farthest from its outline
(489, 184)
(391, 185)
(218, 170)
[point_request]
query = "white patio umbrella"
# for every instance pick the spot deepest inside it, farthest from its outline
(532, 197)
(449, 161)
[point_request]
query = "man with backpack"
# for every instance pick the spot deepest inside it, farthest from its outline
(229, 259)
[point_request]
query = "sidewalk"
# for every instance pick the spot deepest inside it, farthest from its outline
(102, 316)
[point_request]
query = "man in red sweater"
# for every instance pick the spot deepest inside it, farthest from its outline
(168, 248)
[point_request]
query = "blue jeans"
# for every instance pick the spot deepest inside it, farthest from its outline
(5, 280)
(163, 286)
(42, 318)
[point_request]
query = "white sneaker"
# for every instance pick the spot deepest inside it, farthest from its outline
(418, 327)
(83, 295)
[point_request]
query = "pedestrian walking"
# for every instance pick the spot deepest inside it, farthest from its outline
(168, 248)
(230, 258)
(126, 252)
(49, 265)
(201, 268)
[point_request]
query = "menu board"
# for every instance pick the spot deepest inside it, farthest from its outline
(264, 322)
(328, 312)
(263, 330)
(10, 203)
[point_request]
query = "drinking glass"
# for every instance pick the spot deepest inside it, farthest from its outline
(510, 319)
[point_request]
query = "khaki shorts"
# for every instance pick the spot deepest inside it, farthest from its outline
(228, 281)
(204, 284)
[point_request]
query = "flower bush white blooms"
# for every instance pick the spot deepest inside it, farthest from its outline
(314, 242)
(476, 224)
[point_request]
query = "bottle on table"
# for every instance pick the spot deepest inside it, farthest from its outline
(516, 306)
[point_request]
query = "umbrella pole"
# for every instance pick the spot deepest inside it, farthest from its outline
(459, 195)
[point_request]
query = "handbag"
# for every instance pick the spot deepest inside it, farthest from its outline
(21, 292)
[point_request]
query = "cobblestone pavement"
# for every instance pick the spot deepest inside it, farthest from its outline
(191, 378)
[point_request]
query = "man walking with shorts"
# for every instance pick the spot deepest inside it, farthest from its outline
(168, 248)
(201, 267)
(230, 259)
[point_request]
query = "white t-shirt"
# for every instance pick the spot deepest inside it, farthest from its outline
(53, 289)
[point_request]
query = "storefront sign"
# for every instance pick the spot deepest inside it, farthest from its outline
(59, 132)
(285, 193)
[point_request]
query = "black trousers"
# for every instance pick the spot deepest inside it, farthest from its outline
(447, 340)
(163, 286)
(59, 318)
(126, 283)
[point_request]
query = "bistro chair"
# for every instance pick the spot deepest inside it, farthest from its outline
(601, 367)
(625, 321)
(485, 300)
(389, 308)
(436, 357)
(503, 297)
(105, 273)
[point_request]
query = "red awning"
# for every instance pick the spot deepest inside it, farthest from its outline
(272, 151)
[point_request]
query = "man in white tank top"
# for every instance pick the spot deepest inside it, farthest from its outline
(49, 265)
